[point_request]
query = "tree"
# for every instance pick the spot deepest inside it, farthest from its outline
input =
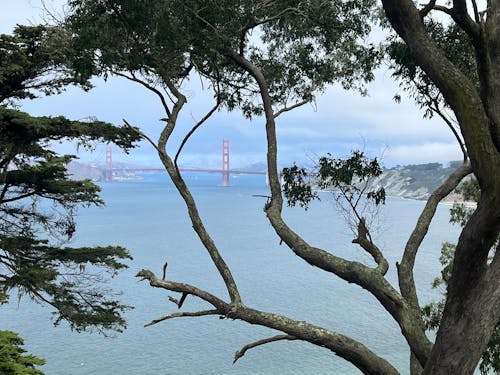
(12, 359)
(306, 45)
(38, 200)
(473, 290)
(460, 214)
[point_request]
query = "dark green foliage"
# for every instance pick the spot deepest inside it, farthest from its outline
(460, 214)
(349, 180)
(304, 44)
(295, 187)
(13, 361)
(457, 47)
(38, 200)
(30, 51)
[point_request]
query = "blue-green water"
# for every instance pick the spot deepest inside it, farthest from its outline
(148, 217)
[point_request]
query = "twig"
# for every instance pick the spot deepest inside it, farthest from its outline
(178, 302)
(133, 78)
(164, 269)
(181, 315)
(242, 352)
(196, 126)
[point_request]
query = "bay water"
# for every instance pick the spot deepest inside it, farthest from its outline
(149, 218)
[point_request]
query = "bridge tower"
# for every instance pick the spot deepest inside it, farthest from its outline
(108, 173)
(225, 162)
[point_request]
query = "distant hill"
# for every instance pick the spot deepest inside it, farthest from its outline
(82, 171)
(414, 181)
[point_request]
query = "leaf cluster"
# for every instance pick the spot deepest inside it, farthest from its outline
(456, 46)
(13, 361)
(298, 45)
(34, 60)
(38, 199)
(350, 180)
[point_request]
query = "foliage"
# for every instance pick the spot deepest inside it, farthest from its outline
(38, 199)
(33, 60)
(12, 359)
(295, 187)
(461, 214)
(454, 43)
(350, 180)
(162, 42)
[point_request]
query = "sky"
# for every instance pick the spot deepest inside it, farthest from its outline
(339, 122)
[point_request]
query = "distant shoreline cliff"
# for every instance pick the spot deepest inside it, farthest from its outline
(409, 181)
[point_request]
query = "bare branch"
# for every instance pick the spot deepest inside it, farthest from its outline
(196, 126)
(366, 243)
(241, 353)
(181, 315)
(182, 288)
(405, 269)
(435, 107)
(178, 302)
(133, 78)
(286, 109)
(477, 17)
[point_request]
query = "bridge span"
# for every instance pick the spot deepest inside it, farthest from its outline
(225, 171)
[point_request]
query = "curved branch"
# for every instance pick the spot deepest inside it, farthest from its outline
(287, 109)
(427, 8)
(183, 190)
(182, 288)
(440, 113)
(182, 314)
(133, 78)
(343, 346)
(405, 269)
(368, 278)
(241, 353)
(195, 127)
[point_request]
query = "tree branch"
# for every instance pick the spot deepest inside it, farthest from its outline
(367, 244)
(368, 278)
(241, 353)
(405, 268)
(345, 347)
(182, 288)
(133, 78)
(286, 109)
(182, 314)
(197, 125)
(185, 193)
(427, 8)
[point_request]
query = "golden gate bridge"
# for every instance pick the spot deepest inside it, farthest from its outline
(225, 171)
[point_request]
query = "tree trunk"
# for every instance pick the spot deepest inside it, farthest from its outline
(473, 300)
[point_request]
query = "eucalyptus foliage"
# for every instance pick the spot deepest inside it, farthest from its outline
(350, 180)
(294, 43)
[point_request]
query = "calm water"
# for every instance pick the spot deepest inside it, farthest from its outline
(148, 218)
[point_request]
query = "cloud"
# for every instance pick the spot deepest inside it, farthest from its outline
(423, 153)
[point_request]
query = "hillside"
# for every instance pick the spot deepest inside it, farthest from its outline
(414, 181)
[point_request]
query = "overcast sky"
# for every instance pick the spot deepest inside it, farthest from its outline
(340, 122)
